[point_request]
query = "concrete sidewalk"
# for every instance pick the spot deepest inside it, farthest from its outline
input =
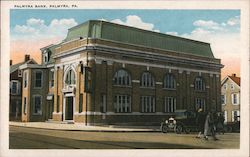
(82, 127)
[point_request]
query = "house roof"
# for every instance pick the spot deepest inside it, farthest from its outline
(131, 35)
(14, 67)
(233, 77)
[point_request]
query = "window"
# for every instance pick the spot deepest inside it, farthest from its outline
(15, 87)
(38, 79)
(147, 80)
(169, 104)
(147, 104)
(122, 103)
(25, 80)
(225, 86)
(232, 86)
(200, 103)
(80, 103)
(19, 73)
(235, 116)
(70, 77)
(223, 99)
(169, 81)
(103, 107)
(24, 105)
(235, 99)
(199, 84)
(122, 78)
(52, 79)
(37, 105)
(225, 116)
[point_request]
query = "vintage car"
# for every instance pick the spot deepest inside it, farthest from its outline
(182, 121)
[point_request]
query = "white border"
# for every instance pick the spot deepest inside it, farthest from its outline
(173, 4)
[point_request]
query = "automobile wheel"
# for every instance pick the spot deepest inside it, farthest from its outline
(179, 129)
(164, 129)
(187, 130)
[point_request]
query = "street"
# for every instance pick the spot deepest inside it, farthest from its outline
(32, 138)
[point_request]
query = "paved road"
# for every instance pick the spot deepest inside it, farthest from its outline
(25, 138)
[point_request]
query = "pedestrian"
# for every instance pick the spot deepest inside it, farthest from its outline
(200, 120)
(209, 127)
(220, 124)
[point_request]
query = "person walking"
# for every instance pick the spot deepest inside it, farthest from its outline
(209, 127)
(200, 120)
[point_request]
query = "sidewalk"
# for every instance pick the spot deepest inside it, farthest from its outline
(82, 127)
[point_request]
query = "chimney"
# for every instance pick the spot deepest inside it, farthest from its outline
(26, 58)
(234, 75)
(10, 62)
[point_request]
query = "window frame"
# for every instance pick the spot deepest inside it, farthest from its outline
(147, 80)
(34, 106)
(25, 79)
(202, 103)
(199, 85)
(35, 83)
(123, 81)
(148, 104)
(119, 104)
(25, 105)
(169, 104)
(171, 83)
(224, 102)
(72, 72)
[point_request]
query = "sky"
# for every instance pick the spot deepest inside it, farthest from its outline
(32, 29)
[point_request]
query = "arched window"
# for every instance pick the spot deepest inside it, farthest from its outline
(169, 81)
(122, 77)
(199, 84)
(147, 80)
(70, 77)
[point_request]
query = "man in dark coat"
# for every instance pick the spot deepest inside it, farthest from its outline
(200, 120)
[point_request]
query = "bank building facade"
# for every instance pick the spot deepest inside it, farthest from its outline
(109, 74)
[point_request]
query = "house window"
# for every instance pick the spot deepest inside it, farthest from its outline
(103, 107)
(70, 77)
(200, 103)
(80, 103)
(235, 99)
(58, 104)
(19, 73)
(169, 81)
(225, 116)
(24, 105)
(147, 104)
(223, 99)
(169, 104)
(225, 86)
(25, 80)
(199, 84)
(122, 103)
(122, 77)
(37, 105)
(147, 80)
(232, 86)
(52, 79)
(15, 87)
(38, 78)
(235, 116)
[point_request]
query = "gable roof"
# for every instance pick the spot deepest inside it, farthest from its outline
(14, 67)
(233, 78)
(131, 35)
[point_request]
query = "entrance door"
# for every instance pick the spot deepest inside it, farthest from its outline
(51, 108)
(69, 108)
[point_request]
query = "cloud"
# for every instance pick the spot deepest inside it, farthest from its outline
(36, 29)
(172, 33)
(234, 21)
(135, 21)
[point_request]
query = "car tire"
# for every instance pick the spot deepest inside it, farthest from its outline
(179, 129)
(164, 129)
(187, 130)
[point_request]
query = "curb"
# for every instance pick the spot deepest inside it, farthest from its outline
(86, 130)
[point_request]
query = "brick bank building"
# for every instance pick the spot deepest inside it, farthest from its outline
(108, 74)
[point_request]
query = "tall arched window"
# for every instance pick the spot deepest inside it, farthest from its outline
(147, 80)
(70, 77)
(199, 84)
(122, 77)
(169, 81)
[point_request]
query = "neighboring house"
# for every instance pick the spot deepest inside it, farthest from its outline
(104, 73)
(230, 98)
(16, 88)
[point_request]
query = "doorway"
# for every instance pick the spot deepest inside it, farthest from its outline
(69, 108)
